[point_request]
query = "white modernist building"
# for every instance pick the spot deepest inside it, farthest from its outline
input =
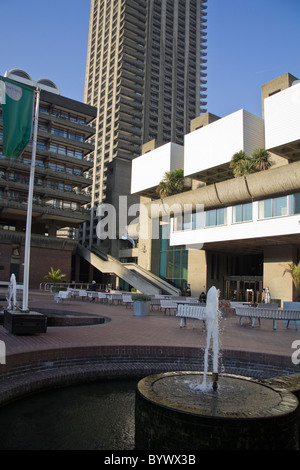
(209, 150)
(242, 232)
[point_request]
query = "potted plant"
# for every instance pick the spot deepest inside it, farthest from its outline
(141, 303)
(294, 271)
(55, 277)
(173, 182)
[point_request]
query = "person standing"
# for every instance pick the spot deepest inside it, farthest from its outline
(188, 291)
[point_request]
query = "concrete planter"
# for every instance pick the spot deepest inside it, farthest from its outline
(141, 308)
(24, 323)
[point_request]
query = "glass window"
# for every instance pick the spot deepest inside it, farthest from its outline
(215, 217)
(295, 204)
(187, 222)
(210, 218)
(276, 207)
(173, 260)
(247, 211)
(177, 265)
(198, 219)
(242, 212)
(279, 206)
(221, 216)
(177, 226)
(265, 209)
(41, 145)
(237, 213)
(163, 260)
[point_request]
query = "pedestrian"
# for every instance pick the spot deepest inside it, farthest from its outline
(267, 296)
(93, 288)
(188, 291)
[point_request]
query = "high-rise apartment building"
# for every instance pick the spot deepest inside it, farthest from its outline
(146, 75)
(63, 159)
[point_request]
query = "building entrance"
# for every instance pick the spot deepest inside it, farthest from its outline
(244, 288)
(243, 281)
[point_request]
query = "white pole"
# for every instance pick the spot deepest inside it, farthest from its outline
(29, 206)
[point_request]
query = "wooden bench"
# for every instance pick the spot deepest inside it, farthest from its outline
(267, 313)
(190, 311)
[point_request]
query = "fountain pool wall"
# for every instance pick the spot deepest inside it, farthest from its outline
(40, 370)
(172, 413)
(36, 371)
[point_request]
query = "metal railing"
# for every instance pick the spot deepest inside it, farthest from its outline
(46, 286)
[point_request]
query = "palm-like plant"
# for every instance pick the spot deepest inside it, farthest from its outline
(261, 160)
(173, 183)
(55, 276)
(294, 270)
(241, 164)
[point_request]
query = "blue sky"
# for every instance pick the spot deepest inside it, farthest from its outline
(250, 42)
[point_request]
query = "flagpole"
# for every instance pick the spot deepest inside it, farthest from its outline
(29, 206)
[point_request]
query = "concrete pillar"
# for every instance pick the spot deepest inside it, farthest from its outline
(197, 271)
(276, 260)
(145, 237)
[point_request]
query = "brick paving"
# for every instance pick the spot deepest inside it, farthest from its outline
(156, 329)
(130, 346)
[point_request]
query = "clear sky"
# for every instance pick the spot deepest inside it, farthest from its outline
(249, 43)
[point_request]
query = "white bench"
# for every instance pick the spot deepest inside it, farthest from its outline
(266, 313)
(288, 305)
(62, 295)
(92, 295)
(127, 299)
(168, 305)
(114, 297)
(103, 297)
(190, 311)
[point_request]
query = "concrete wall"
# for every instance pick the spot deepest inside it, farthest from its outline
(197, 272)
(282, 117)
(149, 169)
(275, 262)
(215, 144)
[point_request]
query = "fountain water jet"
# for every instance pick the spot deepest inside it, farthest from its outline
(175, 412)
(212, 328)
(12, 303)
(21, 322)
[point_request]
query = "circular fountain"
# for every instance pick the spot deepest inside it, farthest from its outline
(209, 411)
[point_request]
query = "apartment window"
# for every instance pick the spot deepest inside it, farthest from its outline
(242, 212)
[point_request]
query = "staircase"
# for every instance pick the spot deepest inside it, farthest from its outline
(143, 280)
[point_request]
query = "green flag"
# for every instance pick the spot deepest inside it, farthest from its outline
(17, 111)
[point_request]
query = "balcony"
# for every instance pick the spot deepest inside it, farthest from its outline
(66, 216)
(282, 123)
(208, 150)
(149, 169)
(76, 178)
